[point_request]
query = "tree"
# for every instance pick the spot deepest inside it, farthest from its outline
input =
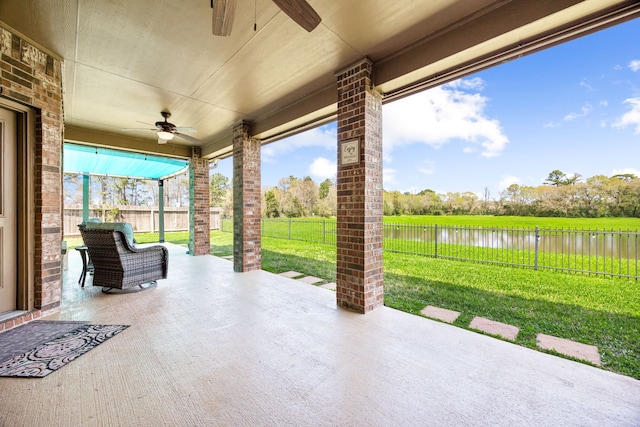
(556, 178)
(271, 202)
(626, 177)
(323, 191)
(573, 179)
(218, 185)
(72, 188)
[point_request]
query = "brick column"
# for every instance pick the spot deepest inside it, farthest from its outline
(199, 237)
(246, 200)
(33, 77)
(360, 285)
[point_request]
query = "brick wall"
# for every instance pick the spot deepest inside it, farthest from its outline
(246, 200)
(34, 78)
(359, 275)
(199, 237)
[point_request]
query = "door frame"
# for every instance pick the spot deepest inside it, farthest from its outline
(25, 144)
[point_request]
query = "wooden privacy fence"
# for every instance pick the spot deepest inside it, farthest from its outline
(144, 219)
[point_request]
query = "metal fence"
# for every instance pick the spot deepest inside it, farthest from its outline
(599, 252)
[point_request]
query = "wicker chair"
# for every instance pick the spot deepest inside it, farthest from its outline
(118, 264)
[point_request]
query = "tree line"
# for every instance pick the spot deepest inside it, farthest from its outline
(560, 195)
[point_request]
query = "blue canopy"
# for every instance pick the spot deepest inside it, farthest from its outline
(106, 161)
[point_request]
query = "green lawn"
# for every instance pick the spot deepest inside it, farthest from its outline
(597, 311)
(494, 221)
(518, 221)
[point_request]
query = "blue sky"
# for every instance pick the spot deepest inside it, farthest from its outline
(574, 107)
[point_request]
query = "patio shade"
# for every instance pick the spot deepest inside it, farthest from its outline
(105, 161)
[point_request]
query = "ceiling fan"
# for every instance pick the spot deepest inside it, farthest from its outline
(166, 131)
(298, 10)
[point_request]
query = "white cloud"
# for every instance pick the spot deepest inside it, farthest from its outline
(586, 85)
(586, 109)
(323, 136)
(389, 176)
(475, 83)
(634, 65)
(508, 180)
(322, 168)
(440, 115)
(630, 117)
(428, 167)
(624, 171)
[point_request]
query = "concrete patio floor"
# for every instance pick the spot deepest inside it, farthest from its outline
(212, 347)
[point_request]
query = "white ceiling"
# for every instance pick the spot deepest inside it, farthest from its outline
(127, 60)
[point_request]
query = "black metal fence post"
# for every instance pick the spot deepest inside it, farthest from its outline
(435, 239)
(537, 239)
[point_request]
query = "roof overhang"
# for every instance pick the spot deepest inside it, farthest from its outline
(124, 64)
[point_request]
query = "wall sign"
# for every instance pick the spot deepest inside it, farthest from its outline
(350, 152)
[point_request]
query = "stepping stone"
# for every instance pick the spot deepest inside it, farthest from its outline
(331, 286)
(311, 280)
(443, 314)
(492, 327)
(290, 274)
(570, 348)
(228, 257)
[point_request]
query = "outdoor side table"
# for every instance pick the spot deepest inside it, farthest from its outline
(86, 263)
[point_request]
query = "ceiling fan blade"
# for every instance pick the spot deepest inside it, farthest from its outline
(223, 14)
(301, 12)
(138, 129)
(188, 138)
(186, 129)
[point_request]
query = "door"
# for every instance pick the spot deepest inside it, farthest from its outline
(8, 212)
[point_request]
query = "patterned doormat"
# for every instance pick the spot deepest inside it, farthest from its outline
(41, 347)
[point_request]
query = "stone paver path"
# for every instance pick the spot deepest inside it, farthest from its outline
(311, 280)
(564, 346)
(569, 348)
(492, 327)
(290, 274)
(443, 314)
(331, 286)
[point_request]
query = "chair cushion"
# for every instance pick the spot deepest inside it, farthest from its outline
(125, 227)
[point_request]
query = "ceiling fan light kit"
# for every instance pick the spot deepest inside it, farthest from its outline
(166, 131)
(167, 136)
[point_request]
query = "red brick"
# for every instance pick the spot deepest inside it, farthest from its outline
(45, 94)
(360, 285)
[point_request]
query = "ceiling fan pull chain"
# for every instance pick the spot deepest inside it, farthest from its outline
(255, 15)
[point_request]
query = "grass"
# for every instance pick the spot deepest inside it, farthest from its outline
(592, 310)
(496, 221)
(518, 221)
(610, 254)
